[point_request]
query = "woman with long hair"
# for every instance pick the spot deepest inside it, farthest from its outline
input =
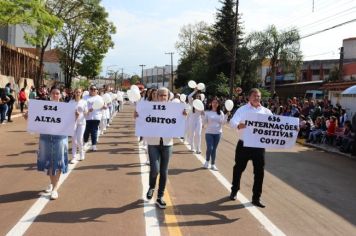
(77, 139)
(214, 119)
(53, 152)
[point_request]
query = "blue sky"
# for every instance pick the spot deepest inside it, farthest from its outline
(146, 29)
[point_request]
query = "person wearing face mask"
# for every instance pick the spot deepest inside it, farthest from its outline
(53, 152)
(244, 154)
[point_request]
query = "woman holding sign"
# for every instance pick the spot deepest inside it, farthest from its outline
(53, 152)
(77, 139)
(214, 119)
(244, 154)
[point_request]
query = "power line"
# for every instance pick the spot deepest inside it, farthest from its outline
(332, 27)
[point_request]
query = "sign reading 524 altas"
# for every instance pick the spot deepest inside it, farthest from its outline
(46, 117)
(160, 119)
(270, 131)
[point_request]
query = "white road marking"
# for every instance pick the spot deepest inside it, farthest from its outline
(151, 220)
(25, 222)
(269, 226)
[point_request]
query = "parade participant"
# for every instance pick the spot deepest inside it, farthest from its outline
(160, 152)
(53, 152)
(244, 154)
(214, 119)
(196, 123)
(93, 117)
(77, 139)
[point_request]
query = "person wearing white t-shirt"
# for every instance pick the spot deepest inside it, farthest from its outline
(244, 154)
(77, 139)
(93, 117)
(213, 119)
(195, 123)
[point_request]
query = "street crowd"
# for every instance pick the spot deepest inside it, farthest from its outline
(319, 122)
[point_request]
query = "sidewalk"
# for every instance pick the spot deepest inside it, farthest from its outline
(325, 147)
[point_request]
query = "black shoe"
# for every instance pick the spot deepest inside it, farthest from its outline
(161, 203)
(198, 152)
(233, 196)
(257, 203)
(149, 194)
(10, 121)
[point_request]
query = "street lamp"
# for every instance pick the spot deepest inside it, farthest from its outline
(142, 73)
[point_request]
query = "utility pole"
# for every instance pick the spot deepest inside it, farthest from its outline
(142, 73)
(171, 53)
(341, 63)
(234, 46)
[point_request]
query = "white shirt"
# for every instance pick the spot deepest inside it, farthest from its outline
(240, 116)
(96, 114)
(155, 141)
(214, 122)
(81, 108)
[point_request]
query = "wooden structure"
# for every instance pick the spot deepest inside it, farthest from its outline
(17, 62)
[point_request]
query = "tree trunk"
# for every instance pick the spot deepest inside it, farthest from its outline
(273, 79)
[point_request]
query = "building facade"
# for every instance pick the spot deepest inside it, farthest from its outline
(158, 76)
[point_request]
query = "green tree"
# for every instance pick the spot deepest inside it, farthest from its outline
(282, 48)
(135, 79)
(85, 38)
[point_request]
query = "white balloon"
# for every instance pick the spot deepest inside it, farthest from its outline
(98, 103)
(171, 96)
(107, 98)
(202, 96)
(229, 105)
(133, 95)
(176, 100)
(198, 104)
(113, 96)
(192, 84)
(201, 86)
(85, 93)
(120, 98)
(183, 97)
(134, 87)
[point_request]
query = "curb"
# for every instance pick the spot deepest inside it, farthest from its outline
(331, 150)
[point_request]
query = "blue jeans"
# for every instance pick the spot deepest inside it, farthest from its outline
(91, 128)
(3, 109)
(212, 141)
(159, 159)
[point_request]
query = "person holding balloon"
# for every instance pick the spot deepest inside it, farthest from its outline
(195, 121)
(214, 119)
(95, 106)
(77, 139)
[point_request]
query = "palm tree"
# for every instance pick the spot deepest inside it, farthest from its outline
(281, 48)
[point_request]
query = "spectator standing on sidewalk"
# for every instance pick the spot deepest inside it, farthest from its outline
(10, 104)
(22, 99)
(353, 153)
(244, 154)
(3, 105)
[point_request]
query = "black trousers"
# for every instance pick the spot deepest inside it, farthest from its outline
(242, 156)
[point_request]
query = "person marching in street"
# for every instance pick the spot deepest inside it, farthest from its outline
(93, 117)
(53, 152)
(77, 139)
(22, 99)
(196, 123)
(214, 119)
(160, 152)
(244, 154)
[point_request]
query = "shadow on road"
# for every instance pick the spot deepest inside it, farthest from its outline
(87, 215)
(19, 196)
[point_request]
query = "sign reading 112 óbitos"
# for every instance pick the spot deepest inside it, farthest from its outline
(47, 117)
(270, 131)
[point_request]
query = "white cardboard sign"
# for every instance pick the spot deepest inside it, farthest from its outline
(47, 117)
(270, 131)
(160, 119)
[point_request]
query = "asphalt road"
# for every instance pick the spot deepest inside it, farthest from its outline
(307, 191)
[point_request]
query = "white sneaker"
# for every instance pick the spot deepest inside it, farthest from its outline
(93, 148)
(54, 195)
(49, 188)
(82, 157)
(206, 165)
(148, 162)
(213, 167)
